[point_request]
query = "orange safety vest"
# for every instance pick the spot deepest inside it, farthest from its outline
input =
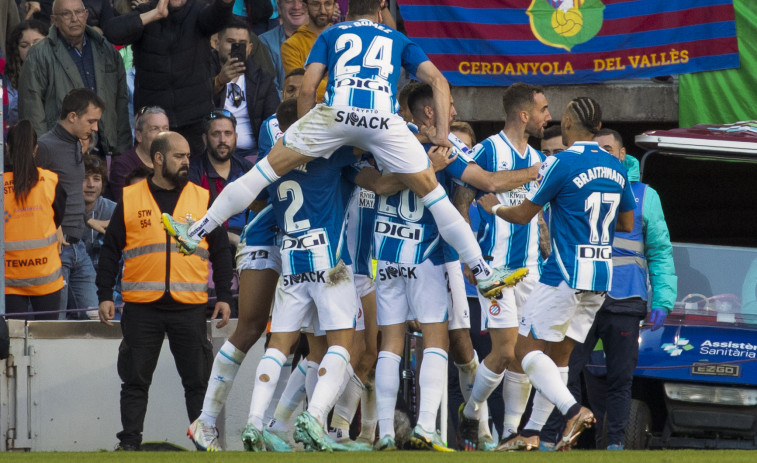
(149, 250)
(32, 261)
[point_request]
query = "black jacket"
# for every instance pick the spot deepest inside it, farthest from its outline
(260, 92)
(172, 57)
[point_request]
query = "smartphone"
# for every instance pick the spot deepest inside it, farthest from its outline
(238, 51)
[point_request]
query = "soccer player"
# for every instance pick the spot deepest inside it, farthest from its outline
(510, 245)
(589, 196)
(363, 60)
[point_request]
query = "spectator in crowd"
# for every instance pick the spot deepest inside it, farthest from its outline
(21, 39)
(149, 122)
(244, 88)
(220, 165)
(641, 258)
(160, 304)
(137, 175)
(261, 15)
(99, 11)
(60, 152)
(96, 208)
(292, 14)
(74, 55)
(552, 141)
(34, 206)
(171, 48)
(295, 49)
(9, 19)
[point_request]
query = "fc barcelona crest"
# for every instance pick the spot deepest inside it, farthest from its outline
(565, 23)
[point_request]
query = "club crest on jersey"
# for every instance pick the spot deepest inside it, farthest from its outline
(494, 309)
(356, 120)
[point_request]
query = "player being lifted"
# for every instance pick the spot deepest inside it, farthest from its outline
(586, 188)
(363, 60)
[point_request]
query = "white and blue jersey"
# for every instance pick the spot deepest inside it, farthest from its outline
(586, 188)
(361, 215)
(362, 58)
(510, 245)
(309, 206)
(261, 229)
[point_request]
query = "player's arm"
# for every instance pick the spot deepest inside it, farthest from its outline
(313, 75)
(544, 245)
(498, 182)
(371, 179)
(625, 221)
(429, 74)
(520, 214)
(462, 200)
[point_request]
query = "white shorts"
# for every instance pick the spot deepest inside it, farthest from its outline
(325, 128)
(459, 314)
(258, 258)
(505, 312)
(552, 313)
(364, 285)
(405, 292)
(328, 295)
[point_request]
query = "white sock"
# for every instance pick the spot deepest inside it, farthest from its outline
(455, 231)
(311, 378)
(281, 384)
(387, 386)
(486, 382)
(235, 197)
(346, 405)
(225, 367)
(368, 411)
(542, 407)
(266, 377)
(330, 376)
(516, 390)
(293, 395)
(431, 381)
(546, 378)
(466, 374)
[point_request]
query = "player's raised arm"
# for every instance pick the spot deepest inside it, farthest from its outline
(313, 75)
(428, 73)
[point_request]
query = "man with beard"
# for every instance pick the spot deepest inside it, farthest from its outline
(218, 165)
(160, 304)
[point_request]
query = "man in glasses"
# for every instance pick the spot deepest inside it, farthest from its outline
(74, 55)
(244, 88)
(220, 164)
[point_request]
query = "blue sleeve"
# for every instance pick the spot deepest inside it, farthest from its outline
(458, 166)
(628, 200)
(265, 140)
(318, 54)
(549, 181)
(412, 55)
(481, 156)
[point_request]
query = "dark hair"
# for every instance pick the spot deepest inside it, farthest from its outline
(357, 8)
(139, 172)
(78, 101)
(13, 63)
(236, 23)
(160, 144)
(218, 114)
(552, 132)
(20, 153)
(462, 126)
(519, 96)
(420, 96)
(406, 91)
(295, 72)
(286, 113)
(615, 134)
(587, 112)
(93, 164)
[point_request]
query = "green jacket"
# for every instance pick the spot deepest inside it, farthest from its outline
(657, 247)
(49, 74)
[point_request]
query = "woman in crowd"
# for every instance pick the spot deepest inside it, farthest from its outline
(34, 207)
(22, 38)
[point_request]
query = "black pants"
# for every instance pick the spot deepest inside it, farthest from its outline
(16, 304)
(193, 134)
(608, 394)
(143, 329)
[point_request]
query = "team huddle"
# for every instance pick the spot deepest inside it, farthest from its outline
(347, 181)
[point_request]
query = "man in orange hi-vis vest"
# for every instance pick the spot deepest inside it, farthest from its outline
(165, 291)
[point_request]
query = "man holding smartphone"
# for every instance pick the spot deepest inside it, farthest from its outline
(244, 85)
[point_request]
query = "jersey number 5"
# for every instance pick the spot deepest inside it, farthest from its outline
(377, 56)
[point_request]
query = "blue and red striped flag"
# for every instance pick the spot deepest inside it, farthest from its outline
(498, 42)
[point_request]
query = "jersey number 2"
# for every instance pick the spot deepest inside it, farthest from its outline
(377, 56)
(291, 225)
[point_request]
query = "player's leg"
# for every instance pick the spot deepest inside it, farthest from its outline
(366, 366)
